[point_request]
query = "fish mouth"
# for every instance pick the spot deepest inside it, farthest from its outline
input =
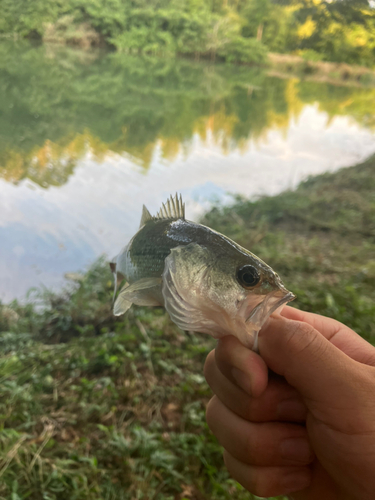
(287, 298)
(269, 305)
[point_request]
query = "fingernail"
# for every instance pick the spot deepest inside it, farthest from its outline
(242, 379)
(291, 409)
(296, 449)
(296, 481)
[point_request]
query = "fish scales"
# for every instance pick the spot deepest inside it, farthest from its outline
(153, 243)
(206, 281)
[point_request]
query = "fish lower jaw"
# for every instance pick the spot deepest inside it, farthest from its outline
(263, 311)
(248, 336)
(219, 323)
(247, 333)
(222, 325)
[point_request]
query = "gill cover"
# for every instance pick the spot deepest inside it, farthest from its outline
(195, 302)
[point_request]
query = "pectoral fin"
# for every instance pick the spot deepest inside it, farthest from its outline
(143, 292)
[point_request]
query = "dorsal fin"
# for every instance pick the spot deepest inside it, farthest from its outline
(172, 209)
(145, 216)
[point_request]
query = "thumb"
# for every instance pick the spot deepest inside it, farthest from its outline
(307, 360)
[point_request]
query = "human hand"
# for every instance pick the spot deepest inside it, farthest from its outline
(307, 427)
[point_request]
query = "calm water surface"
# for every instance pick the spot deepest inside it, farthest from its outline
(86, 139)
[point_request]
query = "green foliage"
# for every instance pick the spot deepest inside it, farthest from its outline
(63, 314)
(311, 55)
(67, 30)
(27, 18)
(244, 50)
(108, 17)
(342, 31)
(191, 27)
(256, 13)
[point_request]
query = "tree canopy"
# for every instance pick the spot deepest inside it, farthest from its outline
(230, 30)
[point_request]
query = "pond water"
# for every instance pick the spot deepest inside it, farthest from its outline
(87, 138)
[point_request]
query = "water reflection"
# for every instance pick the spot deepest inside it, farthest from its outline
(86, 139)
(58, 104)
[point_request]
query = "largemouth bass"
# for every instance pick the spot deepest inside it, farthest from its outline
(207, 282)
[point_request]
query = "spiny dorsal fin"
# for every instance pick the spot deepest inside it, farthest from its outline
(172, 209)
(145, 216)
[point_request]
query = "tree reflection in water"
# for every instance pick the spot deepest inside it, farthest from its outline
(58, 104)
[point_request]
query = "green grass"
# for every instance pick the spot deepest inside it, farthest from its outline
(94, 407)
(115, 416)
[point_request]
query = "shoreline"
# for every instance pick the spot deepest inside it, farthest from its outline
(276, 65)
(289, 66)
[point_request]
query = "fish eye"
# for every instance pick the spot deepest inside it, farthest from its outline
(248, 276)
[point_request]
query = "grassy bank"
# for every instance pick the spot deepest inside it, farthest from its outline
(287, 66)
(94, 407)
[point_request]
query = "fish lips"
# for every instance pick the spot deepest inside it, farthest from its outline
(263, 310)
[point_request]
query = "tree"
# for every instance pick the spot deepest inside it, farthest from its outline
(256, 13)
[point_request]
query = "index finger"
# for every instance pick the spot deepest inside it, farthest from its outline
(340, 335)
(326, 326)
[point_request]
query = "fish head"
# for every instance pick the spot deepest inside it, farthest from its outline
(221, 291)
(260, 294)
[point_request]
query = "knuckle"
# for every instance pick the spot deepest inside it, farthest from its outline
(211, 413)
(255, 479)
(261, 486)
(227, 462)
(264, 408)
(251, 448)
(227, 348)
(251, 410)
(208, 367)
(224, 352)
(259, 489)
(267, 482)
